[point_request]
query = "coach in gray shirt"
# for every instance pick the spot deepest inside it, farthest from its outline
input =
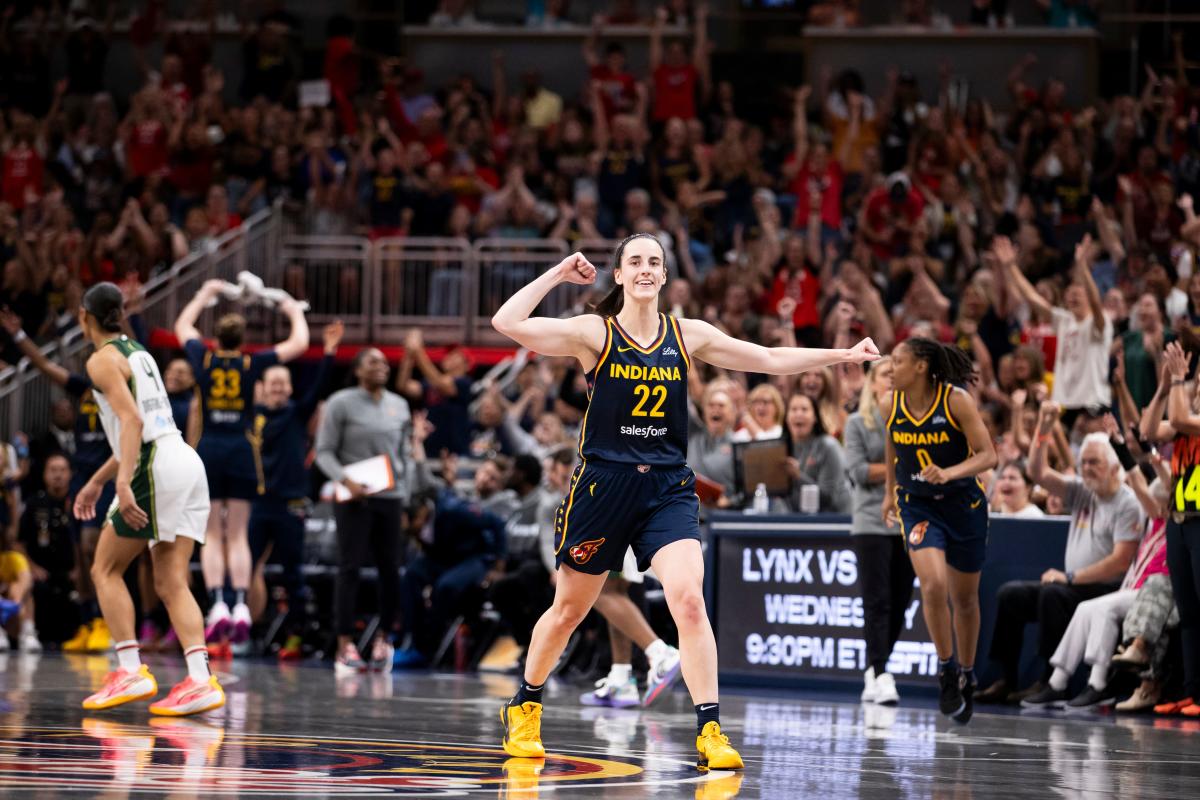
(358, 423)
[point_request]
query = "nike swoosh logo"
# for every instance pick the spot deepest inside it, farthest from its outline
(976, 504)
(624, 349)
(706, 708)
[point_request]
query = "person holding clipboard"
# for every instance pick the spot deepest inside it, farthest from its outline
(360, 424)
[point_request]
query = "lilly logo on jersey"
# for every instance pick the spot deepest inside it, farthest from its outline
(938, 420)
(583, 552)
(669, 351)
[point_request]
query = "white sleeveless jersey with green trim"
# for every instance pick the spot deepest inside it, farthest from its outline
(149, 392)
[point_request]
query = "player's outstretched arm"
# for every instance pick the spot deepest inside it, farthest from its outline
(185, 325)
(576, 336)
(297, 342)
(711, 346)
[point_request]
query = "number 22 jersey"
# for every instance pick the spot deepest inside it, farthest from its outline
(638, 399)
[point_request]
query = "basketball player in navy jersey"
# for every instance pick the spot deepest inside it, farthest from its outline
(939, 444)
(632, 486)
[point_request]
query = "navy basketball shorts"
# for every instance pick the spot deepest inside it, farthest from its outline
(232, 464)
(280, 524)
(611, 507)
(956, 524)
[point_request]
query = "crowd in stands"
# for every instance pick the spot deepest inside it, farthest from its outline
(1055, 245)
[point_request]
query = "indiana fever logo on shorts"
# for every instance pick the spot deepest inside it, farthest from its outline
(583, 552)
(917, 534)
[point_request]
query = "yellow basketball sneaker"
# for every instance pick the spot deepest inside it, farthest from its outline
(78, 643)
(99, 640)
(523, 730)
(123, 686)
(714, 749)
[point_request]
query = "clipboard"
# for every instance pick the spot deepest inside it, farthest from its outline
(763, 461)
(708, 490)
(373, 473)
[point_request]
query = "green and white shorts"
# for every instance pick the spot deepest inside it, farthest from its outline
(170, 485)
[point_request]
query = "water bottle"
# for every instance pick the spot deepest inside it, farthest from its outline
(762, 502)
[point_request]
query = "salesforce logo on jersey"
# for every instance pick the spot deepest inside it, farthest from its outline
(645, 433)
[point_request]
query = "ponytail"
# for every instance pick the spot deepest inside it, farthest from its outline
(947, 363)
(612, 303)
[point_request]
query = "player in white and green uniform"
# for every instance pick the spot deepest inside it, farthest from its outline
(162, 502)
(169, 482)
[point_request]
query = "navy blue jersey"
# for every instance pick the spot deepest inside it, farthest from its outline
(91, 445)
(225, 383)
(282, 438)
(935, 439)
(638, 399)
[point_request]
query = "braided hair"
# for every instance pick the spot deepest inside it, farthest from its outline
(614, 301)
(947, 363)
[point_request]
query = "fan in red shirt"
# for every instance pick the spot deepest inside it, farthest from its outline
(675, 79)
(618, 87)
(813, 173)
(795, 280)
(146, 137)
(23, 168)
(889, 214)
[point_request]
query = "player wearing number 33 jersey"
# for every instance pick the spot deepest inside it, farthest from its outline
(632, 487)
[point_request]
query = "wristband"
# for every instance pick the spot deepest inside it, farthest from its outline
(1179, 382)
(1042, 438)
(19, 337)
(1123, 455)
(1070, 577)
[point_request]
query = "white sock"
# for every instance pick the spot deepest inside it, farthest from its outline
(1058, 681)
(28, 628)
(656, 650)
(128, 656)
(197, 662)
(1099, 677)
(619, 674)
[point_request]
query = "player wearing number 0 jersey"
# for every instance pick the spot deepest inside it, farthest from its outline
(162, 502)
(937, 444)
(632, 487)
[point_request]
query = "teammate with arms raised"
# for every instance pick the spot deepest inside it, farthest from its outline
(162, 502)
(632, 486)
(939, 444)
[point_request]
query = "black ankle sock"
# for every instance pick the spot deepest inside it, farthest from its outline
(706, 713)
(239, 596)
(527, 694)
(968, 674)
(216, 596)
(948, 664)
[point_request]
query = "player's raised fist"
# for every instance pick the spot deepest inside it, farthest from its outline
(862, 352)
(576, 269)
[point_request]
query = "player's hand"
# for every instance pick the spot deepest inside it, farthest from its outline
(862, 352)
(332, 335)
(934, 474)
(131, 512)
(888, 509)
(576, 269)
(85, 502)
